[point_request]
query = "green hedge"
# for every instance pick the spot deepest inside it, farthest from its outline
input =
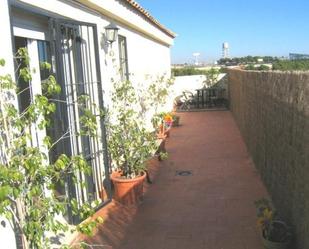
(184, 71)
(299, 65)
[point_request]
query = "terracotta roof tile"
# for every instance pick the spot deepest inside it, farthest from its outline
(146, 14)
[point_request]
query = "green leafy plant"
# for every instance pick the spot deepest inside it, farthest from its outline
(157, 92)
(28, 179)
(158, 120)
(130, 143)
(175, 118)
(273, 229)
(130, 139)
(212, 76)
(162, 120)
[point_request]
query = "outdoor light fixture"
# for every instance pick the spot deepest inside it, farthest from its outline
(111, 32)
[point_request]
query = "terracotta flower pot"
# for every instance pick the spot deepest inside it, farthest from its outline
(128, 191)
(161, 134)
(167, 132)
(161, 148)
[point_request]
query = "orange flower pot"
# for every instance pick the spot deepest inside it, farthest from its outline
(167, 132)
(128, 191)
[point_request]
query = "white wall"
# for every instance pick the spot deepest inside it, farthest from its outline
(6, 51)
(148, 47)
(122, 13)
(147, 55)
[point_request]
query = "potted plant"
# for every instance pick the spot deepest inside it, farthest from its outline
(163, 122)
(158, 124)
(275, 233)
(167, 123)
(130, 144)
(176, 119)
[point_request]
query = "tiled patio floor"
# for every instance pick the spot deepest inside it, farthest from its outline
(211, 209)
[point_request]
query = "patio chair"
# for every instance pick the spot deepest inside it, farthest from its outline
(188, 100)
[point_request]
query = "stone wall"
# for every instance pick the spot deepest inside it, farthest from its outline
(272, 112)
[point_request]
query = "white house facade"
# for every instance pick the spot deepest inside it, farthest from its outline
(71, 36)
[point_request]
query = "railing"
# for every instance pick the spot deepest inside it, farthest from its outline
(204, 98)
(210, 97)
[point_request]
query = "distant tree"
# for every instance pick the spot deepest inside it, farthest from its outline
(212, 76)
(297, 65)
(224, 61)
(263, 68)
(250, 67)
(189, 70)
(257, 68)
(247, 60)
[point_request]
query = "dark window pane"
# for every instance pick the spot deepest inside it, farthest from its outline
(44, 56)
(24, 93)
(123, 57)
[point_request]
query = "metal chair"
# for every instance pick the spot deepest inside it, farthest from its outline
(188, 100)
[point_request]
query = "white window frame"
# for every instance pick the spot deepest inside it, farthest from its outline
(29, 33)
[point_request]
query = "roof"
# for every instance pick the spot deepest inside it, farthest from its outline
(150, 18)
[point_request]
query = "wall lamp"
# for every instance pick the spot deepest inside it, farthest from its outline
(111, 32)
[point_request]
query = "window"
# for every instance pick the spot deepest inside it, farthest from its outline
(24, 94)
(77, 70)
(123, 57)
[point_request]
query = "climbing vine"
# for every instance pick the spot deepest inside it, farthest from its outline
(28, 179)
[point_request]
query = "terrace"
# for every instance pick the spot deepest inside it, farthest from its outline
(209, 206)
(254, 138)
(219, 163)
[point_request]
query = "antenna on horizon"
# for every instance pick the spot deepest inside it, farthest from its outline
(225, 50)
(196, 55)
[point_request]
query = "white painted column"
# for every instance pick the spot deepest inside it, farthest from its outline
(6, 50)
(7, 237)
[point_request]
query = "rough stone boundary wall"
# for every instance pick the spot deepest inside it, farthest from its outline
(272, 112)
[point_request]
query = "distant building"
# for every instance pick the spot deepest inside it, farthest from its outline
(294, 56)
(196, 55)
(225, 50)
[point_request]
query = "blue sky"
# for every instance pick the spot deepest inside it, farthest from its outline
(251, 27)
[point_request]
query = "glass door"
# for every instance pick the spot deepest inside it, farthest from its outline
(72, 50)
(75, 48)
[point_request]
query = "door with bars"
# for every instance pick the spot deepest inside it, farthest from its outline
(75, 49)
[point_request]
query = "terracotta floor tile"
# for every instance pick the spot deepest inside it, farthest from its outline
(210, 209)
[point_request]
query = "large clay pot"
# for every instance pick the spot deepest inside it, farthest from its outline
(128, 191)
